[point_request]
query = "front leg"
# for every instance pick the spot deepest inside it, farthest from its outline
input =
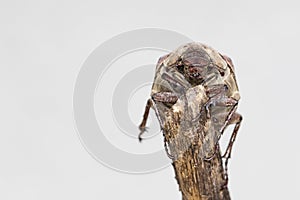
(164, 97)
(217, 97)
(142, 126)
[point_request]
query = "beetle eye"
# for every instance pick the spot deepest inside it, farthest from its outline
(180, 68)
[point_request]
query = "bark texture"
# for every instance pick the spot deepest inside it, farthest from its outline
(198, 179)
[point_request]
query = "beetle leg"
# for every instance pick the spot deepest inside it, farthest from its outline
(216, 96)
(142, 126)
(167, 150)
(232, 118)
(216, 148)
(236, 119)
(165, 97)
(212, 91)
(225, 101)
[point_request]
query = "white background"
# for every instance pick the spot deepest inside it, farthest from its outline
(43, 45)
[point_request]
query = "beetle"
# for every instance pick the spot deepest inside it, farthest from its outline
(199, 83)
